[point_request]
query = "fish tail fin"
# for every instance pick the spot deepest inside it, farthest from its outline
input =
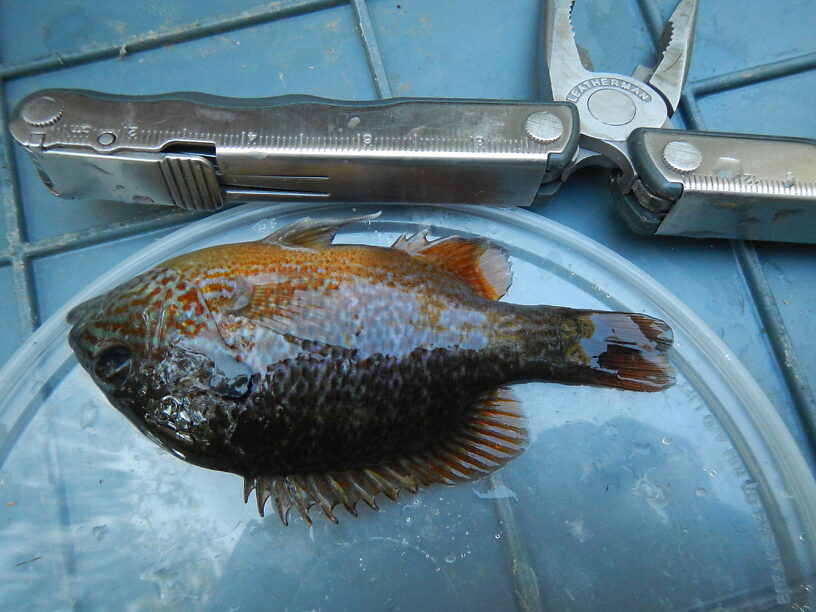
(628, 351)
(625, 351)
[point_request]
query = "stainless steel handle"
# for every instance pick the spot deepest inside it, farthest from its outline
(703, 184)
(198, 151)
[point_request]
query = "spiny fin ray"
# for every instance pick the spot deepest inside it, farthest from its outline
(493, 434)
(312, 233)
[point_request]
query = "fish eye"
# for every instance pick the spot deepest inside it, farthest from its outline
(112, 365)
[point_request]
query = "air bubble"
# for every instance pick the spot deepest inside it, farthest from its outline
(450, 558)
(667, 440)
(497, 536)
(700, 492)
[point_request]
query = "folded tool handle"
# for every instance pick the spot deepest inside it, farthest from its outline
(200, 152)
(705, 184)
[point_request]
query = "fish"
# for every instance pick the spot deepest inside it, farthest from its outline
(327, 374)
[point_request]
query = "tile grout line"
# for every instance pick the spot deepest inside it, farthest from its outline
(96, 235)
(750, 264)
(753, 75)
(792, 371)
(24, 292)
(183, 33)
(372, 50)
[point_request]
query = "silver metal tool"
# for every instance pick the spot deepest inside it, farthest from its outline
(200, 152)
(677, 182)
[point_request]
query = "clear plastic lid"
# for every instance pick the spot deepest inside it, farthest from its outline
(695, 497)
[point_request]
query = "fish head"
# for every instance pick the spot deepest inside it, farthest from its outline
(153, 348)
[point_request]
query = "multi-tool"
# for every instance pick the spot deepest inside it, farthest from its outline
(201, 152)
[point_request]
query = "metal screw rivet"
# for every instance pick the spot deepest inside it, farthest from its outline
(682, 156)
(544, 127)
(612, 107)
(41, 111)
(106, 138)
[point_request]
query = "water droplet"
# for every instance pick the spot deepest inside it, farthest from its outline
(89, 414)
(99, 532)
(450, 558)
(700, 492)
(667, 440)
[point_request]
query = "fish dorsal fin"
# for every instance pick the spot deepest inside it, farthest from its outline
(480, 263)
(312, 233)
(493, 434)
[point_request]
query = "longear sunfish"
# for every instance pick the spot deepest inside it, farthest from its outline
(326, 374)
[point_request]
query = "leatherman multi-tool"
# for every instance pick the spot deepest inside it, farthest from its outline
(200, 152)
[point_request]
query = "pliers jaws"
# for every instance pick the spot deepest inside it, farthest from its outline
(612, 106)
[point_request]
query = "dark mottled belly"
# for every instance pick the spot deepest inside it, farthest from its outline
(333, 410)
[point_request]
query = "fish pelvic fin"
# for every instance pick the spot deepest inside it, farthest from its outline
(312, 233)
(625, 351)
(483, 265)
(492, 435)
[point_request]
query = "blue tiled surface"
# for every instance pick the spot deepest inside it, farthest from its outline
(410, 35)
(754, 67)
(778, 107)
(738, 35)
(47, 28)
(12, 335)
(3, 236)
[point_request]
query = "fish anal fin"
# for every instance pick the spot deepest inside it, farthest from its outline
(481, 264)
(492, 435)
(312, 233)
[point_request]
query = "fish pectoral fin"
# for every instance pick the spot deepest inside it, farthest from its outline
(494, 434)
(312, 233)
(482, 264)
(287, 309)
